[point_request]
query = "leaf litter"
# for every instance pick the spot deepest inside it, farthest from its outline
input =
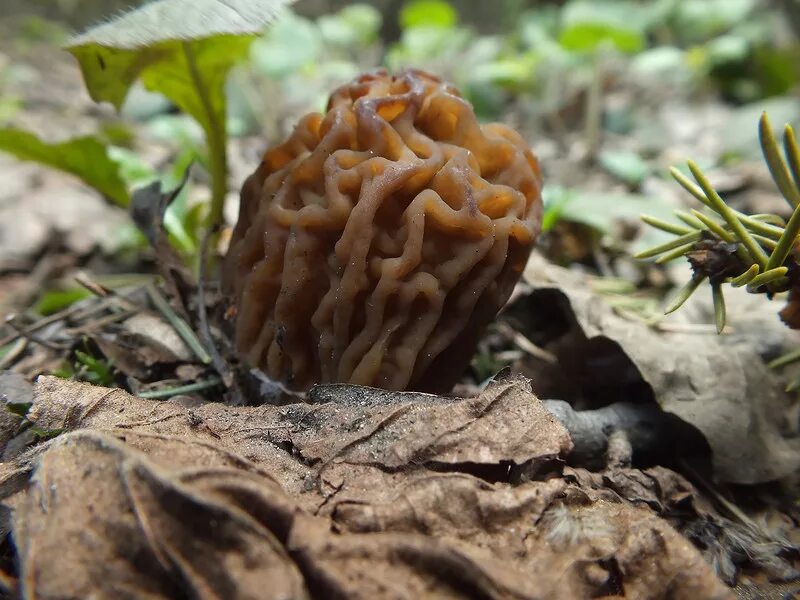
(360, 493)
(604, 357)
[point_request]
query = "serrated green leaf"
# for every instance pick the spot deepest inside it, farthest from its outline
(85, 157)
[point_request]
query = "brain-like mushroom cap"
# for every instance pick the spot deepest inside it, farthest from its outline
(375, 244)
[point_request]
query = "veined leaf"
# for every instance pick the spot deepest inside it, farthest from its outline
(182, 49)
(85, 157)
(152, 42)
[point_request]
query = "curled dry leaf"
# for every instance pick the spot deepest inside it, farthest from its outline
(719, 384)
(363, 494)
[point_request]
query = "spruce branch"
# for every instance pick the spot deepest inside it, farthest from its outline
(726, 246)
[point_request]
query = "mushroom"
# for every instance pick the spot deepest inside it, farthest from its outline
(377, 242)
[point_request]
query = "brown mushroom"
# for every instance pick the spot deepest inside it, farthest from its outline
(376, 243)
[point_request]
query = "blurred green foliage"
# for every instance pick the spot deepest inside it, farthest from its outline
(548, 58)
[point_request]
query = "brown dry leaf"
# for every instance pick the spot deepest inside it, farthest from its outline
(365, 494)
(101, 520)
(719, 384)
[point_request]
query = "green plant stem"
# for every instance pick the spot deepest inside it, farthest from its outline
(689, 219)
(765, 241)
(673, 254)
(594, 107)
(722, 233)
(714, 226)
(768, 218)
(217, 140)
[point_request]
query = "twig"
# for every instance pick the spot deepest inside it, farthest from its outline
(523, 343)
(35, 338)
(198, 386)
(93, 287)
(13, 353)
(100, 323)
(43, 322)
(217, 361)
(179, 325)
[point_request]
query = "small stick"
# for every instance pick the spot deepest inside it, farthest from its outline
(13, 353)
(43, 322)
(181, 389)
(179, 325)
(202, 313)
(35, 338)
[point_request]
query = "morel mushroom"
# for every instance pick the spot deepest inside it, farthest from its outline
(376, 243)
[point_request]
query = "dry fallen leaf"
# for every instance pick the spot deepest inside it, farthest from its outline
(362, 494)
(719, 384)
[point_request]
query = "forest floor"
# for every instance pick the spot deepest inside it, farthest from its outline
(495, 490)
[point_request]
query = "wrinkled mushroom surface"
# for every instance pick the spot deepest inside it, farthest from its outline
(375, 244)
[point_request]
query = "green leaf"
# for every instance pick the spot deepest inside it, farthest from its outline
(421, 45)
(589, 25)
(601, 211)
(428, 13)
(698, 20)
(155, 38)
(555, 198)
(512, 73)
(354, 25)
(292, 44)
(184, 50)
(19, 408)
(86, 157)
(588, 37)
(626, 166)
(94, 370)
(52, 302)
